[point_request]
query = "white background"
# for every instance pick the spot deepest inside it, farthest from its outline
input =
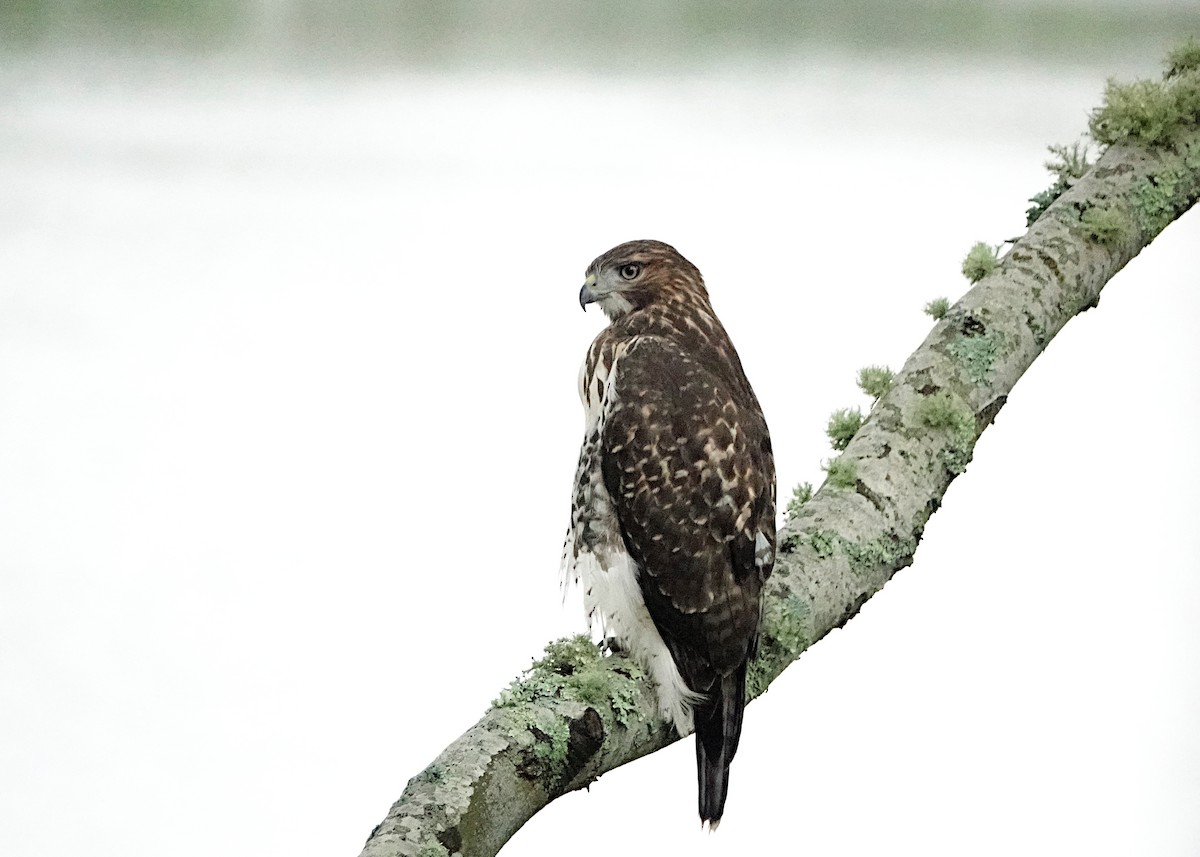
(288, 422)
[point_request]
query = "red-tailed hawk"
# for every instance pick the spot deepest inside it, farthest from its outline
(673, 522)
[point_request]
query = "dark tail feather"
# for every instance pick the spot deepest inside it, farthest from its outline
(718, 728)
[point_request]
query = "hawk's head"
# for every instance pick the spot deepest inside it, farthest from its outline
(637, 274)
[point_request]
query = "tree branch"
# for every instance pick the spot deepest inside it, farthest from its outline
(576, 715)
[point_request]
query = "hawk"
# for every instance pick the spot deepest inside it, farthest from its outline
(673, 520)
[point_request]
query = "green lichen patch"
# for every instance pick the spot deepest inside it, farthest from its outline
(1068, 164)
(937, 308)
(976, 354)
(1183, 58)
(944, 412)
(823, 542)
(842, 426)
(980, 261)
(875, 381)
(624, 694)
(618, 687)
(801, 494)
(786, 623)
(568, 655)
(552, 734)
(1149, 112)
(956, 458)
(574, 670)
(1105, 225)
(785, 633)
(889, 552)
(1158, 199)
(941, 410)
(841, 472)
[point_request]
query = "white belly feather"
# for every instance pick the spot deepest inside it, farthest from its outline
(595, 558)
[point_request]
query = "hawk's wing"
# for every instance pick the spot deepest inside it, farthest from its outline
(687, 462)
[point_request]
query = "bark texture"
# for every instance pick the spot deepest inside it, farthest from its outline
(575, 716)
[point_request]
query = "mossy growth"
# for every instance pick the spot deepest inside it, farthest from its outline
(572, 669)
(823, 542)
(1041, 201)
(552, 739)
(939, 410)
(1151, 112)
(568, 655)
(980, 261)
(889, 551)
(1068, 164)
(1157, 200)
(801, 494)
(942, 411)
(873, 553)
(785, 634)
(977, 354)
(1183, 58)
(1143, 111)
(875, 381)
(937, 308)
(1105, 225)
(841, 472)
(842, 426)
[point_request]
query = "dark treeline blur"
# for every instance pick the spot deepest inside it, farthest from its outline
(612, 34)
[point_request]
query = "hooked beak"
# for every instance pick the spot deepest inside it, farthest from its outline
(586, 295)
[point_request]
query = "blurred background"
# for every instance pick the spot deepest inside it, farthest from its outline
(602, 37)
(289, 339)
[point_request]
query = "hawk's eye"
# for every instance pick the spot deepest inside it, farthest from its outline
(630, 271)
